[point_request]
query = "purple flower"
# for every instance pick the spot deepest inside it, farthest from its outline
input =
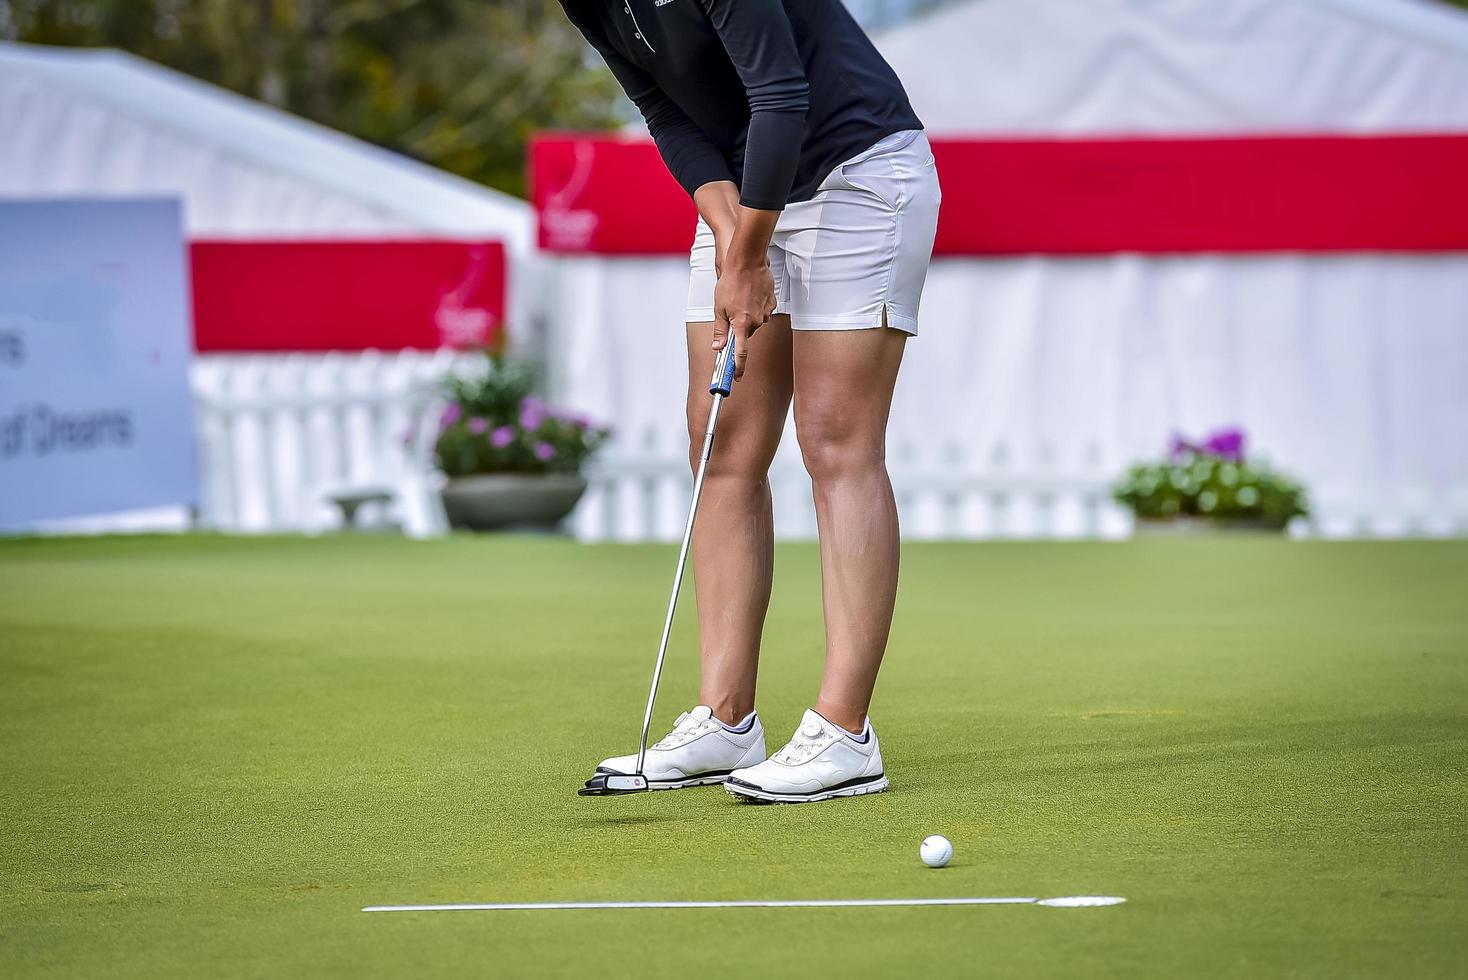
(478, 426)
(450, 415)
(532, 412)
(502, 436)
(545, 452)
(1226, 443)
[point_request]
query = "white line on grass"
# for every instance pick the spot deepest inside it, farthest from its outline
(1072, 901)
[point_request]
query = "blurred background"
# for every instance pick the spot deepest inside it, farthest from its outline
(297, 265)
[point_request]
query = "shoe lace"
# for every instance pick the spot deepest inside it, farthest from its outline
(802, 747)
(684, 729)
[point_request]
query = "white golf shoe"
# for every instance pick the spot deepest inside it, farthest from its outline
(699, 751)
(821, 762)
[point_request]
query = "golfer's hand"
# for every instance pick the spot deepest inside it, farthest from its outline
(744, 298)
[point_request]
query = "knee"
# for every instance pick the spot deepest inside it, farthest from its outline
(834, 451)
(735, 471)
(735, 457)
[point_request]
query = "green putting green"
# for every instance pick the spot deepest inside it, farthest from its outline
(215, 751)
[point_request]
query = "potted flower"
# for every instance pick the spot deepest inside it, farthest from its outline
(1209, 485)
(511, 460)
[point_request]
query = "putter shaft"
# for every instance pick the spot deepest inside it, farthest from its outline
(719, 388)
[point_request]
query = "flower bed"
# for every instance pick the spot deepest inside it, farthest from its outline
(1211, 483)
(512, 460)
(494, 424)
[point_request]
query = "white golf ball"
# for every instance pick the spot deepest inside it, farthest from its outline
(936, 851)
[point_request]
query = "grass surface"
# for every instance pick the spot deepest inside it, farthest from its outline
(215, 751)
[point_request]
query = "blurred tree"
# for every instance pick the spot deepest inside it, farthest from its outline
(457, 83)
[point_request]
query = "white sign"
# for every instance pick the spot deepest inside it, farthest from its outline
(95, 411)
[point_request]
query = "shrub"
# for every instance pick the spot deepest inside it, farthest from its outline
(1212, 480)
(496, 424)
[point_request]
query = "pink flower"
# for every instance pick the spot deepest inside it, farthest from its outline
(478, 426)
(545, 452)
(450, 415)
(502, 436)
(532, 413)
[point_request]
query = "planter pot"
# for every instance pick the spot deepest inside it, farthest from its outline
(496, 501)
(1206, 525)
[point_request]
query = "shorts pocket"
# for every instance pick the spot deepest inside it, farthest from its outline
(873, 177)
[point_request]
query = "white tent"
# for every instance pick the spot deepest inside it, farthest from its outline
(87, 122)
(1346, 369)
(102, 123)
(1179, 67)
(80, 122)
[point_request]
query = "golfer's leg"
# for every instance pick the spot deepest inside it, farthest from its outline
(843, 391)
(733, 542)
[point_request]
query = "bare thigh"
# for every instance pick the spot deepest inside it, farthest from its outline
(843, 381)
(753, 417)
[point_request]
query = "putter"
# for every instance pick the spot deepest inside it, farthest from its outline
(620, 784)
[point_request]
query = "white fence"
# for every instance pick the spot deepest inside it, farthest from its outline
(639, 491)
(287, 440)
(294, 442)
(297, 442)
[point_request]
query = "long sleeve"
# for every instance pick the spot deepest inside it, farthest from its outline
(690, 156)
(761, 44)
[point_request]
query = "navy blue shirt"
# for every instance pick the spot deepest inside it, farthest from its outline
(771, 94)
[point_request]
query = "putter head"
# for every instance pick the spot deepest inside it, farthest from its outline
(614, 784)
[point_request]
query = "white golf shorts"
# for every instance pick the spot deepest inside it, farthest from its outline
(857, 249)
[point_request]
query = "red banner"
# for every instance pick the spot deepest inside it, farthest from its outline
(598, 193)
(608, 195)
(347, 295)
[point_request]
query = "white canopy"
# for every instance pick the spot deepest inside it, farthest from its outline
(88, 122)
(1162, 66)
(1345, 369)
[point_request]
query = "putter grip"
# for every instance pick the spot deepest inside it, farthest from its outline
(723, 381)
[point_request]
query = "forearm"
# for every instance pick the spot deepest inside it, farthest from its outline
(753, 229)
(718, 204)
(772, 152)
